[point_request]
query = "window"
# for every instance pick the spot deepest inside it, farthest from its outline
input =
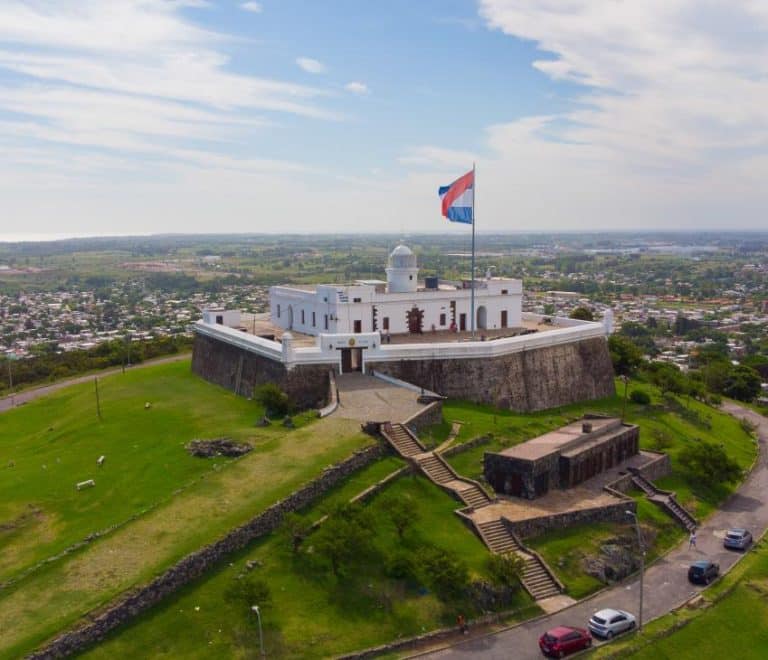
(504, 292)
(325, 321)
(358, 327)
(385, 323)
(278, 311)
(354, 300)
(442, 319)
(313, 319)
(302, 317)
(410, 277)
(219, 319)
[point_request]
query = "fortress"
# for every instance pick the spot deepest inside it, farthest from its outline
(412, 330)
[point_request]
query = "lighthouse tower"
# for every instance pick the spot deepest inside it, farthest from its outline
(402, 271)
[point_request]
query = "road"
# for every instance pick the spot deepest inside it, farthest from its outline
(24, 396)
(666, 583)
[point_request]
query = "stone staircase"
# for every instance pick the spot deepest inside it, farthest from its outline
(404, 442)
(536, 576)
(435, 468)
(665, 500)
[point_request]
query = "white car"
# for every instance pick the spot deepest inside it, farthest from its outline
(609, 622)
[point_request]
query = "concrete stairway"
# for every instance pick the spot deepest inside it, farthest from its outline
(435, 469)
(536, 577)
(497, 537)
(666, 500)
(404, 442)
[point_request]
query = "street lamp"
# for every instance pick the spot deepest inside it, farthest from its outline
(624, 379)
(255, 608)
(642, 566)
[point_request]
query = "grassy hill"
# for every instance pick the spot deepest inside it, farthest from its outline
(179, 502)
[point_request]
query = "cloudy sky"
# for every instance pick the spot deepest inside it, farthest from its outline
(148, 116)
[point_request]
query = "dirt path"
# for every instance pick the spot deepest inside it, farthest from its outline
(666, 582)
(24, 396)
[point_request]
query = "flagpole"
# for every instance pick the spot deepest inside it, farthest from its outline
(472, 293)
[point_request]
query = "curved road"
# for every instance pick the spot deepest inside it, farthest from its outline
(24, 396)
(666, 581)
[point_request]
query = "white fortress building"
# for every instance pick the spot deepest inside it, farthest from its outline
(414, 331)
(401, 304)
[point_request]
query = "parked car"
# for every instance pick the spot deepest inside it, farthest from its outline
(563, 640)
(737, 539)
(609, 622)
(703, 572)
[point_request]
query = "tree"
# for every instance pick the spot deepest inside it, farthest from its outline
(582, 314)
(248, 590)
(276, 402)
(667, 377)
(708, 462)
(402, 512)
(625, 355)
(742, 383)
(298, 528)
(445, 572)
(640, 397)
(346, 537)
(716, 374)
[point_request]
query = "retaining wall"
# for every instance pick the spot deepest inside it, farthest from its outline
(197, 563)
(240, 370)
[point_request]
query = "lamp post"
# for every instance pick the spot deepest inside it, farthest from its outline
(255, 608)
(624, 379)
(641, 548)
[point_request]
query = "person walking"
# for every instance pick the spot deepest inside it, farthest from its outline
(692, 539)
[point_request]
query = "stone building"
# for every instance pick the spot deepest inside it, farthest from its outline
(561, 459)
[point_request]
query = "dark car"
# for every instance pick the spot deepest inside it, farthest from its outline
(737, 539)
(563, 640)
(703, 572)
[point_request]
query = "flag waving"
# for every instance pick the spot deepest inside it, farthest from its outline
(459, 199)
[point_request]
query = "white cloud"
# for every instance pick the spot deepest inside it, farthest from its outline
(311, 66)
(254, 7)
(357, 87)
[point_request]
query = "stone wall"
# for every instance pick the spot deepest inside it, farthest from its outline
(536, 526)
(428, 416)
(535, 379)
(197, 563)
(240, 370)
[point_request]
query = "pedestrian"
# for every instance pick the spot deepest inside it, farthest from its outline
(462, 624)
(692, 539)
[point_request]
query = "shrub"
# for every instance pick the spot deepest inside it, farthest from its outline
(709, 463)
(582, 314)
(445, 572)
(276, 402)
(640, 397)
(401, 566)
(505, 570)
(661, 440)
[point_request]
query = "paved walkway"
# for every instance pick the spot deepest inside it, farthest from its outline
(666, 582)
(13, 400)
(368, 399)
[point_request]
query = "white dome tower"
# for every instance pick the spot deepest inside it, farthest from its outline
(402, 271)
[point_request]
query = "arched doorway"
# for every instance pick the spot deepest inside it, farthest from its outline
(482, 317)
(415, 320)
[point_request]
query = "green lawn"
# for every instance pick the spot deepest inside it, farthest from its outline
(312, 614)
(734, 622)
(146, 463)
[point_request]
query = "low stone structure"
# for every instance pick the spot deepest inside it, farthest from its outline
(561, 459)
(218, 447)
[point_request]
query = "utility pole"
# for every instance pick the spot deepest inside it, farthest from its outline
(98, 402)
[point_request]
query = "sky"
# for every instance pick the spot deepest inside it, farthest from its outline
(200, 116)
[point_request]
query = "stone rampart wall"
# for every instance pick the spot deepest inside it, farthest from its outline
(197, 563)
(536, 526)
(428, 416)
(534, 379)
(241, 370)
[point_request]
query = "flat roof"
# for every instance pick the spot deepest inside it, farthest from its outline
(570, 437)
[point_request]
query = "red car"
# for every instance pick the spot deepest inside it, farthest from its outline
(563, 640)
